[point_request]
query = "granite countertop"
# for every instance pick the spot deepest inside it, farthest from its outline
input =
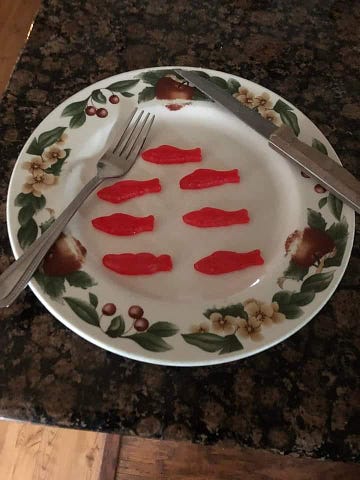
(302, 396)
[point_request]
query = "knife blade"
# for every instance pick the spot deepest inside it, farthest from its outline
(324, 169)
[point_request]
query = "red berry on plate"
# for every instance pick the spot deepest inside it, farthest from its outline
(114, 99)
(101, 112)
(90, 110)
(135, 311)
(109, 309)
(305, 175)
(141, 324)
(319, 188)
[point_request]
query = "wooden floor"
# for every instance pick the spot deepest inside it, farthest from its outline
(33, 452)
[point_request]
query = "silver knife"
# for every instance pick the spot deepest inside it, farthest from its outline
(330, 174)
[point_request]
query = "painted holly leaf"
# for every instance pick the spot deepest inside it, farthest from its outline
(52, 286)
(295, 271)
(163, 329)
(323, 202)
(78, 120)
(28, 199)
(55, 169)
(98, 96)
(236, 310)
(122, 86)
(84, 310)
(80, 279)
(317, 282)
(150, 342)
(291, 311)
(231, 344)
(50, 137)
(209, 342)
(34, 148)
(25, 214)
(315, 219)
(116, 327)
(27, 234)
(233, 86)
(283, 297)
(127, 94)
(302, 298)
(147, 94)
(287, 116)
(154, 76)
(75, 108)
(339, 233)
(47, 224)
(319, 146)
(335, 205)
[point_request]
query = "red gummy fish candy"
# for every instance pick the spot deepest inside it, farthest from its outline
(224, 261)
(126, 189)
(215, 217)
(137, 263)
(206, 177)
(122, 224)
(169, 155)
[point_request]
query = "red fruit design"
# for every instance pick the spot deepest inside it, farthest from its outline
(214, 217)
(141, 324)
(135, 311)
(137, 263)
(101, 112)
(169, 89)
(174, 106)
(109, 309)
(206, 177)
(121, 224)
(224, 262)
(90, 110)
(126, 189)
(319, 188)
(114, 99)
(310, 246)
(66, 256)
(168, 155)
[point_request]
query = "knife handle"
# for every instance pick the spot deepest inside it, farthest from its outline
(330, 174)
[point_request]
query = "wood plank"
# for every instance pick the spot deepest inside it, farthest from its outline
(34, 452)
(16, 17)
(110, 457)
(163, 460)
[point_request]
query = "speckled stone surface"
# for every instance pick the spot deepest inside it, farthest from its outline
(301, 396)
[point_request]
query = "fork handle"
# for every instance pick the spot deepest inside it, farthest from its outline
(15, 278)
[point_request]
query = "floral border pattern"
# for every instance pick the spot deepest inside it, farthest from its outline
(313, 252)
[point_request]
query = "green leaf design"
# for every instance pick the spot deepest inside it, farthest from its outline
(201, 73)
(153, 77)
(199, 96)
(80, 279)
(50, 137)
(45, 225)
(25, 214)
(98, 96)
(28, 199)
(339, 233)
(52, 286)
(319, 146)
(315, 219)
(78, 120)
(127, 94)
(291, 311)
(233, 85)
(209, 342)
(163, 329)
(220, 82)
(93, 300)
(122, 86)
(83, 310)
(27, 234)
(323, 202)
(283, 297)
(302, 298)
(236, 310)
(317, 282)
(147, 94)
(75, 108)
(231, 344)
(150, 342)
(335, 206)
(116, 327)
(34, 148)
(295, 272)
(55, 169)
(287, 116)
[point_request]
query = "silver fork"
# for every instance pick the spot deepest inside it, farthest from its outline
(115, 162)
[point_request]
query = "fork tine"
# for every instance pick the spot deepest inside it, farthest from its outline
(135, 136)
(128, 132)
(140, 139)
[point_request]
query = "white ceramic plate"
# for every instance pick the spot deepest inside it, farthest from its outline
(305, 235)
